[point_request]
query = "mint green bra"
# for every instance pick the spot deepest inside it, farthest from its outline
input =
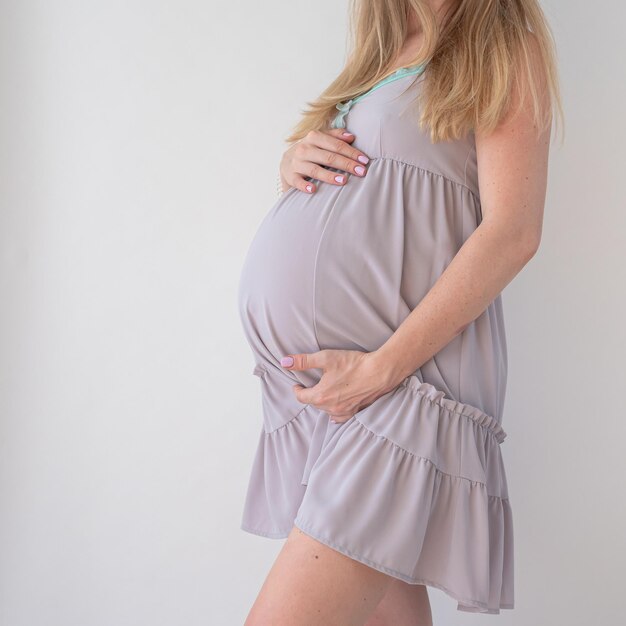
(344, 107)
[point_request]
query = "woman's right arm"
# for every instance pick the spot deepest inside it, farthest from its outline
(304, 160)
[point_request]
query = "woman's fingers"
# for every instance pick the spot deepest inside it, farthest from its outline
(325, 150)
(334, 159)
(320, 173)
(336, 151)
(303, 184)
(342, 133)
(289, 174)
(303, 169)
(312, 155)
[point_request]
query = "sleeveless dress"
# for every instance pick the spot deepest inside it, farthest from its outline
(413, 485)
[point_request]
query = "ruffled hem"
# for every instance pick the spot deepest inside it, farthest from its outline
(413, 485)
(463, 604)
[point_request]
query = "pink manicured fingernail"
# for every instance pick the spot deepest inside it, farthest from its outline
(363, 159)
(339, 179)
(347, 134)
(309, 188)
(286, 361)
(360, 170)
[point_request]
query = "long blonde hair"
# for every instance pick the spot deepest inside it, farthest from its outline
(476, 54)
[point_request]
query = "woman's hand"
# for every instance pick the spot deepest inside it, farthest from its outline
(351, 381)
(329, 147)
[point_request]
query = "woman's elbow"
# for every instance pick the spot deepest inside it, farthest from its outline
(529, 244)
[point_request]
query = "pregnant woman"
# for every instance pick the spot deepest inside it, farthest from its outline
(370, 297)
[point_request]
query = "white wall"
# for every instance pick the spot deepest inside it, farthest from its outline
(139, 144)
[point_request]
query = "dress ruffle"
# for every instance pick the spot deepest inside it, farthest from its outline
(418, 470)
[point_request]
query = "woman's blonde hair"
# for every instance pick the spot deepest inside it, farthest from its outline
(477, 53)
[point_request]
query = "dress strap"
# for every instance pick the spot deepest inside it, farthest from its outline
(344, 107)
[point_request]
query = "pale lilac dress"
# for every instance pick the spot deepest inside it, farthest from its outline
(413, 485)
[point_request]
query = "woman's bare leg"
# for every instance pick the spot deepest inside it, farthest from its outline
(402, 605)
(311, 584)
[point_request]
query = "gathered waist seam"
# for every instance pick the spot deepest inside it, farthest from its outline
(428, 171)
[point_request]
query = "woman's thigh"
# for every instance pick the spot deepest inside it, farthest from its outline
(311, 584)
(403, 605)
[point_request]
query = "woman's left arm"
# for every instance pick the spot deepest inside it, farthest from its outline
(512, 174)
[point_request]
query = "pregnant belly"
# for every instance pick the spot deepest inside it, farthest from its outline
(276, 294)
(342, 268)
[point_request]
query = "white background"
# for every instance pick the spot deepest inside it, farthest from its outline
(139, 146)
